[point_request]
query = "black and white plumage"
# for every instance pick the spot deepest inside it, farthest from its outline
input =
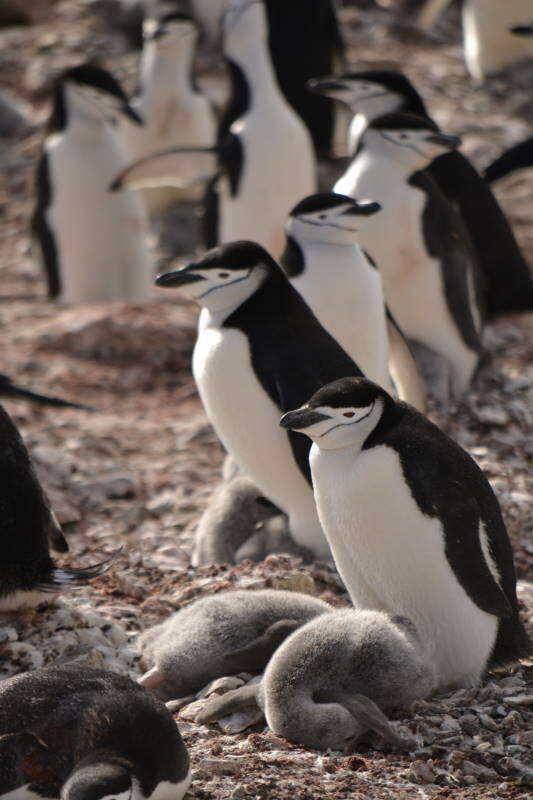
(223, 634)
(325, 686)
(87, 734)
(413, 525)
(28, 574)
(342, 286)
(91, 243)
(507, 284)
(259, 348)
(429, 271)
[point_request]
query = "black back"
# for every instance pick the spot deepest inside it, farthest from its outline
(26, 522)
(447, 240)
(507, 284)
(447, 483)
(305, 41)
(292, 354)
(62, 715)
(41, 230)
(517, 157)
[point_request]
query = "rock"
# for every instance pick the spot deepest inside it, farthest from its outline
(422, 772)
(520, 700)
(219, 766)
(295, 582)
(238, 722)
(220, 686)
(176, 705)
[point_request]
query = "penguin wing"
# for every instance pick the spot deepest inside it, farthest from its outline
(181, 167)
(519, 156)
(403, 367)
(41, 231)
(30, 761)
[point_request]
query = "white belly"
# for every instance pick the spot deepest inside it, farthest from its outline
(345, 294)
(391, 557)
(247, 423)
(412, 280)
(278, 172)
(488, 44)
(99, 234)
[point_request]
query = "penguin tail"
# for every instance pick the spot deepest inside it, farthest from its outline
(66, 580)
(9, 389)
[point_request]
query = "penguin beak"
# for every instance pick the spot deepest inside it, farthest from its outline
(179, 277)
(130, 112)
(301, 418)
(325, 85)
(444, 139)
(362, 208)
(522, 30)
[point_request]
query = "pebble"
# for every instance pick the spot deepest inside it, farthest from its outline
(220, 686)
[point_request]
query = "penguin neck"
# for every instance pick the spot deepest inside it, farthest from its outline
(394, 164)
(166, 72)
(362, 118)
(250, 55)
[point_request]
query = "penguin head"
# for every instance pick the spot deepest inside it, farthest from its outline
(91, 92)
(225, 277)
(371, 92)
(406, 138)
(170, 30)
(108, 777)
(332, 218)
(341, 414)
(522, 30)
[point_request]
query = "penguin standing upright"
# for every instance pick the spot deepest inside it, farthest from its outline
(28, 575)
(343, 288)
(260, 347)
(78, 733)
(176, 114)
(266, 160)
(428, 268)
(92, 243)
(507, 284)
(414, 526)
(304, 40)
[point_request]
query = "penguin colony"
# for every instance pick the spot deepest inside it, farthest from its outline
(310, 303)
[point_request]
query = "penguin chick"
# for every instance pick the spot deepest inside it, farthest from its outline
(430, 272)
(92, 243)
(507, 284)
(259, 347)
(223, 634)
(413, 525)
(342, 286)
(77, 733)
(235, 512)
(325, 686)
(28, 575)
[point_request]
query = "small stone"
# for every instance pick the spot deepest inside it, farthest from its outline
(486, 773)
(488, 722)
(238, 722)
(422, 772)
(513, 720)
(469, 724)
(520, 700)
(355, 763)
(450, 724)
(295, 581)
(130, 588)
(493, 416)
(220, 766)
(8, 635)
(220, 686)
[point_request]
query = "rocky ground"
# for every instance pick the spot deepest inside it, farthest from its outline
(137, 471)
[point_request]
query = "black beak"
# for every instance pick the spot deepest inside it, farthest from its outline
(363, 208)
(301, 418)
(130, 112)
(325, 85)
(445, 139)
(178, 277)
(522, 30)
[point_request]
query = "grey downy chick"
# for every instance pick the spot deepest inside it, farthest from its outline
(224, 634)
(238, 523)
(327, 684)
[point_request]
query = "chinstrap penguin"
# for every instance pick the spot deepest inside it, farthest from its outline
(414, 526)
(175, 112)
(325, 686)
(223, 634)
(342, 286)
(259, 348)
(304, 40)
(429, 270)
(261, 166)
(91, 242)
(28, 574)
(507, 284)
(78, 733)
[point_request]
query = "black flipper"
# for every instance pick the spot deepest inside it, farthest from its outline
(9, 389)
(41, 230)
(519, 156)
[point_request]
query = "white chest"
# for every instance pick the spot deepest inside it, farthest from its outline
(247, 420)
(391, 556)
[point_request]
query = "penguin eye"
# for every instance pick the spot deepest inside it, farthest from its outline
(322, 216)
(403, 136)
(223, 274)
(349, 414)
